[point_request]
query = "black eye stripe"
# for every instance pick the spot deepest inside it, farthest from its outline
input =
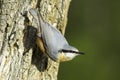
(70, 51)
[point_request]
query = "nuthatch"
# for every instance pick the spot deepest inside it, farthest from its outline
(51, 41)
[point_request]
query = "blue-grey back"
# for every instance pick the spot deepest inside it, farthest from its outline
(53, 39)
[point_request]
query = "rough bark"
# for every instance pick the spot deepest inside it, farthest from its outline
(15, 63)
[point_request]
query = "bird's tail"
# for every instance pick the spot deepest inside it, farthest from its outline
(37, 16)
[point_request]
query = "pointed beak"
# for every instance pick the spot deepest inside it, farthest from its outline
(82, 53)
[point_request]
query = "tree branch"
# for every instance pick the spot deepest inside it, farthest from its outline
(15, 61)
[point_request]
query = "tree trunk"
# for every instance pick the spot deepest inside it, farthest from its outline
(15, 61)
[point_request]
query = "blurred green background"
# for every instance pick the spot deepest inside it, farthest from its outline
(93, 27)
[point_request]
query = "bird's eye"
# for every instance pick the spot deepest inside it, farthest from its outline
(60, 50)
